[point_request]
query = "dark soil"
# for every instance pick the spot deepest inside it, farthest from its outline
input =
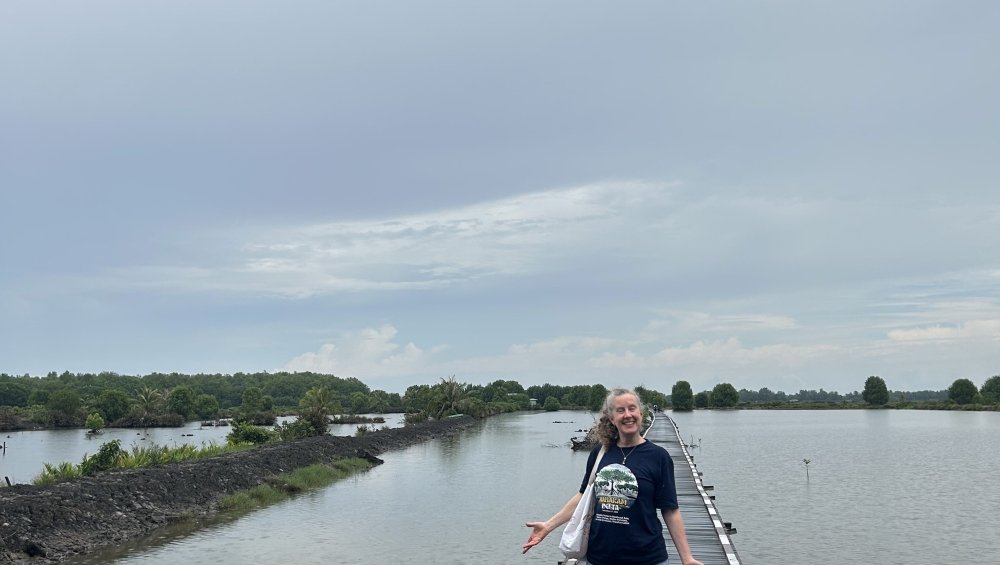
(49, 524)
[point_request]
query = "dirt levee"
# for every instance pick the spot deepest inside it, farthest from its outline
(47, 524)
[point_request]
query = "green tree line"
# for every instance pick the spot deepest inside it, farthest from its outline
(158, 399)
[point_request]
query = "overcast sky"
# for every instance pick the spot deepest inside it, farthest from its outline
(787, 194)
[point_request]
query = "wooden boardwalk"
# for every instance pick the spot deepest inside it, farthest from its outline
(708, 536)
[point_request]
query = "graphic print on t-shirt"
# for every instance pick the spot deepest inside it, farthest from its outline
(615, 489)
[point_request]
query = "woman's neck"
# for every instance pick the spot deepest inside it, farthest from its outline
(629, 441)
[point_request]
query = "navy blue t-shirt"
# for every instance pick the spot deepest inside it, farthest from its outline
(626, 528)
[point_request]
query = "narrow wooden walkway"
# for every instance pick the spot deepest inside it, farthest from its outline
(707, 534)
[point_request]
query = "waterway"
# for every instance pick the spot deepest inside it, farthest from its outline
(889, 487)
(24, 453)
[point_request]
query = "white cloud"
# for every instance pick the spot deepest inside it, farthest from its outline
(527, 234)
(729, 353)
(370, 353)
(971, 330)
(687, 322)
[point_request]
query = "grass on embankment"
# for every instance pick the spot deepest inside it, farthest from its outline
(282, 487)
(112, 456)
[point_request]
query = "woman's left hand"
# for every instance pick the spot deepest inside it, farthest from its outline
(538, 533)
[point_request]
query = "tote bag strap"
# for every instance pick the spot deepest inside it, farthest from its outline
(593, 470)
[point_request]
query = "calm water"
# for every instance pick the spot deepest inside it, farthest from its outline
(26, 452)
(884, 486)
(888, 486)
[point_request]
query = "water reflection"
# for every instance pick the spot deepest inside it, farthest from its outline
(885, 486)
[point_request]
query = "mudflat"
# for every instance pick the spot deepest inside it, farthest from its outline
(53, 523)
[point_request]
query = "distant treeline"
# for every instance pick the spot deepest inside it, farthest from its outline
(158, 399)
(765, 395)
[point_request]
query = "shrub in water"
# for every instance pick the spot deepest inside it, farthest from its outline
(105, 458)
(245, 432)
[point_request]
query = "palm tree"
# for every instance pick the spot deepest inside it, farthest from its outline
(450, 397)
(149, 400)
(315, 405)
(378, 401)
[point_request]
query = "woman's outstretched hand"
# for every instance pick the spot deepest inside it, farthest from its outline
(538, 533)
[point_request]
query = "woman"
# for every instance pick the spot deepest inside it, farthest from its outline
(635, 478)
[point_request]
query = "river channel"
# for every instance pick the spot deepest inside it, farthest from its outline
(889, 487)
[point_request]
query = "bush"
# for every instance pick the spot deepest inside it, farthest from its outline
(415, 418)
(552, 404)
(245, 432)
(94, 422)
(105, 458)
(56, 473)
(299, 429)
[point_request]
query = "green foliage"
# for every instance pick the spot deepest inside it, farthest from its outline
(359, 402)
(701, 399)
(105, 458)
(379, 401)
(724, 395)
(552, 404)
(511, 402)
(206, 406)
(252, 400)
(94, 422)
(875, 393)
(313, 410)
(64, 407)
(764, 395)
(598, 393)
(448, 398)
(650, 397)
(477, 408)
(136, 418)
(180, 401)
(39, 397)
(682, 398)
(282, 486)
(415, 418)
(963, 391)
(990, 391)
(148, 402)
(113, 404)
(417, 398)
(52, 474)
(14, 394)
(298, 429)
(245, 432)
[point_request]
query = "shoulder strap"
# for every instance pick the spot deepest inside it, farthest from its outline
(593, 470)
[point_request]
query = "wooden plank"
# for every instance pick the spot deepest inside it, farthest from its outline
(709, 538)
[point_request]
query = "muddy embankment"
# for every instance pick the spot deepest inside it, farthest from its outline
(49, 524)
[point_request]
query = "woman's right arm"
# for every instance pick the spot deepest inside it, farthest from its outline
(541, 529)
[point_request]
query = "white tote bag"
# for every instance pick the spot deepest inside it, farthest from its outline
(574, 537)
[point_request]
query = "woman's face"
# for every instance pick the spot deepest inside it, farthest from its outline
(626, 414)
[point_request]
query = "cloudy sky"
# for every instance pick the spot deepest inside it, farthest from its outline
(768, 193)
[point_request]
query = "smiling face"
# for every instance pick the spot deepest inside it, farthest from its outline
(626, 414)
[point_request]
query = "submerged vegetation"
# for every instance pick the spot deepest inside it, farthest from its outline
(285, 485)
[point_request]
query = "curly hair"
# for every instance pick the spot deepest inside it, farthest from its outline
(604, 430)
